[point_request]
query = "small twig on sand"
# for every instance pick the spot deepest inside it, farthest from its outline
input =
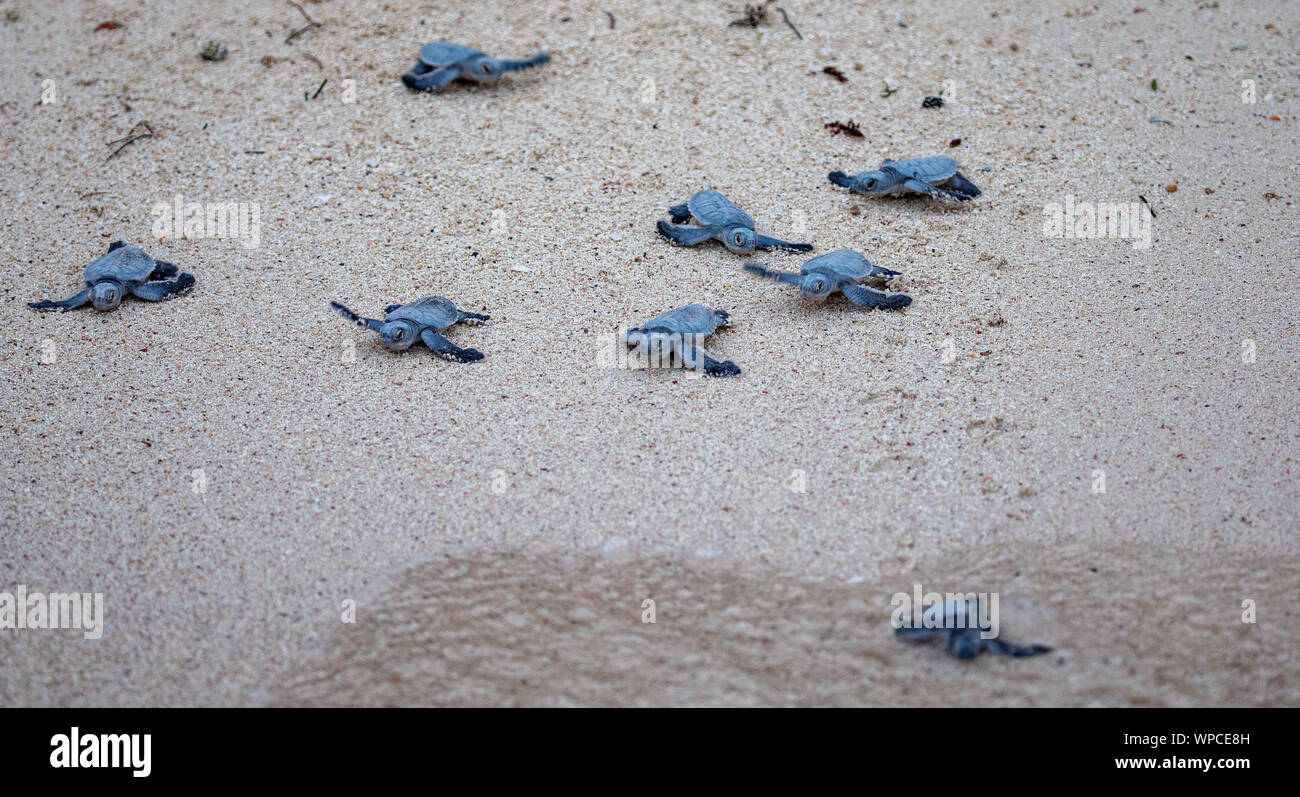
(756, 15)
(835, 73)
(130, 138)
(611, 20)
(318, 90)
(786, 17)
(1148, 204)
(311, 23)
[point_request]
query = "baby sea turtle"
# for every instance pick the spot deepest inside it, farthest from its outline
(961, 621)
(936, 176)
(442, 62)
(842, 270)
(719, 218)
(123, 269)
(681, 332)
(423, 319)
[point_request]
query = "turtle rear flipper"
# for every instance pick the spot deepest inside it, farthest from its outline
(961, 185)
(163, 270)
(162, 291)
(680, 214)
(515, 65)
(683, 236)
(80, 300)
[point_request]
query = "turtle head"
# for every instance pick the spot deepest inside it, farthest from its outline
(964, 643)
(486, 69)
(106, 295)
(815, 286)
(398, 335)
(873, 183)
(739, 240)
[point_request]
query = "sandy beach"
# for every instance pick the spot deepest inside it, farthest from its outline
(279, 511)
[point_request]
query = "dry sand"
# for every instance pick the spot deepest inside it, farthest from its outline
(499, 524)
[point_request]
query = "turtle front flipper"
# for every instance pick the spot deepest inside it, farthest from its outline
(162, 291)
(764, 242)
(871, 298)
(80, 300)
(515, 65)
(448, 350)
(762, 270)
(361, 321)
(922, 187)
(683, 236)
(696, 357)
(428, 81)
(841, 179)
(1018, 651)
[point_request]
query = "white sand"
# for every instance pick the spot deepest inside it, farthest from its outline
(373, 480)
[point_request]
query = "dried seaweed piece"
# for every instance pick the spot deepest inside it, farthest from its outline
(213, 51)
(835, 73)
(849, 128)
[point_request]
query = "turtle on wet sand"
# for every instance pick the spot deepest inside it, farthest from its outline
(423, 319)
(442, 62)
(719, 219)
(961, 622)
(681, 332)
(935, 176)
(122, 270)
(842, 270)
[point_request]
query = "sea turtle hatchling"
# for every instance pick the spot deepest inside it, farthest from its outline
(842, 270)
(719, 218)
(121, 270)
(442, 62)
(962, 623)
(935, 176)
(681, 332)
(423, 319)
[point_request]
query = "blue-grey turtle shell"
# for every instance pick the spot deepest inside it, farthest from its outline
(431, 311)
(124, 264)
(934, 169)
(842, 264)
(440, 54)
(690, 319)
(712, 209)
